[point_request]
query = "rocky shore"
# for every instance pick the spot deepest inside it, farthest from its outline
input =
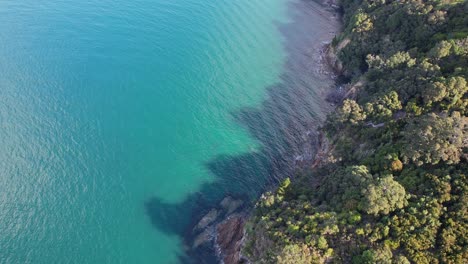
(224, 227)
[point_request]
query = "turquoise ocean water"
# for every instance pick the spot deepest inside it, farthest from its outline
(115, 114)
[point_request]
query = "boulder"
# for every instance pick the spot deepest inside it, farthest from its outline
(206, 220)
(230, 204)
(202, 238)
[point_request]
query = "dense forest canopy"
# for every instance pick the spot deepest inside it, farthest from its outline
(394, 188)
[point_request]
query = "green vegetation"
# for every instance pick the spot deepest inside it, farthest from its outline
(394, 188)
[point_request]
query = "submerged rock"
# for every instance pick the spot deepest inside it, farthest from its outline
(230, 205)
(203, 238)
(206, 220)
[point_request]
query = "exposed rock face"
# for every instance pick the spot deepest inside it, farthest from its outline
(332, 60)
(209, 218)
(324, 151)
(353, 89)
(229, 239)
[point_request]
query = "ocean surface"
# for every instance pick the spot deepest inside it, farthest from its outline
(123, 122)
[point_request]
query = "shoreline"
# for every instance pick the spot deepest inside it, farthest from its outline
(224, 231)
(391, 144)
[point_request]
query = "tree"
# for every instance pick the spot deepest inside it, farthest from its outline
(401, 260)
(351, 112)
(383, 196)
(362, 22)
(354, 188)
(383, 107)
(396, 165)
(381, 255)
(297, 254)
(456, 89)
(441, 50)
(432, 138)
(343, 188)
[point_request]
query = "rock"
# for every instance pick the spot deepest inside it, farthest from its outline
(230, 205)
(336, 96)
(331, 3)
(226, 201)
(202, 238)
(229, 239)
(332, 60)
(209, 218)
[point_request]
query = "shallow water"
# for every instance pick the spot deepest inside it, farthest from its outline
(123, 121)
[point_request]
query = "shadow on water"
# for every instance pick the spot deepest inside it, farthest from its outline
(285, 126)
